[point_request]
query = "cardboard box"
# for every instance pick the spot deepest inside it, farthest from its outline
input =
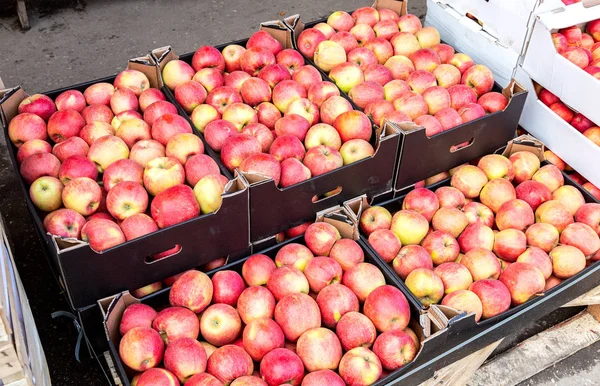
(274, 209)
(429, 330)
(564, 140)
(88, 275)
(544, 65)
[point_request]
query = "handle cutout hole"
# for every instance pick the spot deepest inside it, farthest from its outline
(163, 255)
(461, 146)
(324, 196)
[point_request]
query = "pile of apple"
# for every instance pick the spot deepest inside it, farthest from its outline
(505, 231)
(267, 112)
(394, 68)
(93, 154)
(580, 48)
(315, 315)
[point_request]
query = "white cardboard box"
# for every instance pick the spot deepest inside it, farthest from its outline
(559, 136)
(571, 84)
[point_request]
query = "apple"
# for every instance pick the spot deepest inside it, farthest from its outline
(141, 348)
(482, 264)
(387, 308)
(272, 75)
(447, 75)
(126, 199)
(470, 112)
(220, 324)
(293, 172)
(515, 214)
(360, 366)
(385, 243)
(539, 259)
(509, 244)
(476, 235)
(299, 108)
(102, 234)
(94, 131)
(334, 107)
(74, 167)
(577, 55)
(374, 218)
(404, 44)
(124, 116)
(157, 110)
(395, 89)
(209, 79)
(355, 330)
(208, 192)
(185, 358)
(323, 377)
(589, 214)
(290, 59)
(461, 95)
(478, 213)
(470, 180)
(287, 146)
(286, 280)
(192, 290)
(228, 363)
(534, 193)
(581, 236)
(425, 285)
(409, 226)
(217, 132)
(523, 281)
(421, 80)
(255, 303)
(207, 56)
(346, 75)
(322, 134)
(293, 254)
(264, 39)
(64, 223)
(366, 92)
(494, 296)
(382, 49)
(163, 173)
(287, 91)
(442, 247)
(319, 349)
(82, 195)
(320, 238)
(378, 110)
(451, 220)
(282, 366)
(555, 213)
(455, 276)
(334, 302)
(262, 164)
(450, 197)
(236, 79)
(46, 193)
(322, 159)
(35, 146)
(99, 93)
(412, 104)
(395, 349)
(570, 197)
(567, 261)
(136, 315)
(549, 175)
(138, 225)
(68, 100)
(309, 39)
(261, 336)
(149, 96)
(64, 124)
(321, 272)
(542, 235)
(366, 15)
(340, 21)
(362, 33)
(356, 149)
(297, 313)
(362, 57)
(321, 91)
(38, 104)
(410, 258)
(437, 98)
(362, 279)
(347, 253)
(345, 39)
(174, 205)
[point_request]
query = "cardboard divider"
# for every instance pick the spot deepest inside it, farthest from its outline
(296, 204)
(88, 275)
(432, 336)
(464, 327)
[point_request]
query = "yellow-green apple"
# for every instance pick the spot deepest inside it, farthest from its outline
(291, 124)
(323, 377)
(436, 97)
(126, 199)
(554, 213)
(319, 349)
(478, 213)
(509, 244)
(102, 234)
(286, 92)
(99, 93)
(385, 243)
(378, 110)
(329, 54)
(209, 78)
(174, 205)
(362, 279)
(176, 72)
(374, 218)
(482, 264)
(208, 192)
(229, 362)
(492, 102)
(448, 118)
(236, 79)
(322, 159)
(287, 280)
(221, 97)
(494, 296)
(496, 166)
(138, 225)
(149, 96)
(450, 197)
(320, 238)
(240, 115)
(282, 366)
(410, 226)
(542, 235)
(162, 173)
(581, 236)
(145, 151)
(267, 114)
(293, 254)
(255, 302)
(340, 21)
(470, 112)
(345, 39)
(464, 300)
(394, 89)
(334, 302)
(476, 235)
(296, 313)
(461, 95)
(82, 195)
(526, 164)
(549, 175)
(366, 92)
(362, 33)
(293, 172)
(287, 146)
(38, 104)
(421, 80)
(76, 166)
(346, 76)
(360, 366)
(322, 134)
(567, 261)
(378, 73)
(440, 177)
(356, 149)
(426, 286)
(192, 290)
(136, 315)
(470, 180)
(355, 330)
(70, 100)
(334, 107)
(362, 57)
(124, 116)
(217, 132)
(184, 358)
(261, 336)
(220, 324)
(25, 127)
(446, 75)
(382, 49)
(539, 259)
(524, 281)
(347, 253)
(207, 56)
(157, 110)
(428, 36)
(455, 276)
(404, 44)
(395, 349)
(412, 104)
(589, 214)
(46, 193)
(442, 247)
(309, 39)
(425, 59)
(451, 220)
(64, 223)
(366, 15)
(321, 272)
(271, 74)
(94, 131)
(321, 91)
(262, 164)
(515, 214)
(410, 258)
(594, 191)
(141, 348)
(387, 308)
(290, 59)
(35, 146)
(534, 193)
(64, 124)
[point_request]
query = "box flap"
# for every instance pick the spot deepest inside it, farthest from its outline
(9, 103)
(569, 15)
(527, 143)
(399, 6)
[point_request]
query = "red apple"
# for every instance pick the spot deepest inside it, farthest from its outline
(254, 303)
(141, 348)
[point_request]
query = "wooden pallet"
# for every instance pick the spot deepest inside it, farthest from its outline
(544, 349)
